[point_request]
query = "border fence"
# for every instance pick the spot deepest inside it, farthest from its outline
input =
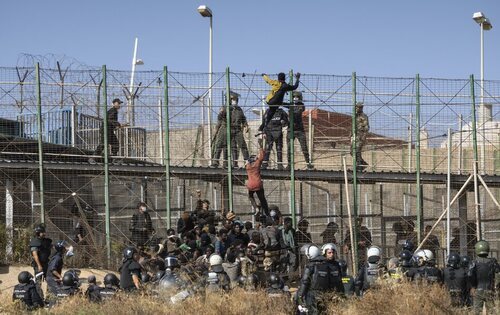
(432, 144)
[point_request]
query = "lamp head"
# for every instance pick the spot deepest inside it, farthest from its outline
(205, 11)
(480, 18)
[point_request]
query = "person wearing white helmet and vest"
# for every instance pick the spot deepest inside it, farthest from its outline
(217, 278)
(372, 271)
(427, 271)
(321, 275)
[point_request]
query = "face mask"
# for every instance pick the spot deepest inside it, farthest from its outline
(234, 102)
(70, 253)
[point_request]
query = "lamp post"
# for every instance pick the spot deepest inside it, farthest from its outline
(135, 62)
(206, 12)
(485, 25)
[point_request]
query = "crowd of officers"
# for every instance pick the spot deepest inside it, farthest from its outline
(203, 258)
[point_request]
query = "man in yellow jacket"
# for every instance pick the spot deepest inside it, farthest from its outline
(278, 89)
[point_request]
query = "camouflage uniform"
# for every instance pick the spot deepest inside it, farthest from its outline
(220, 143)
(362, 128)
(238, 122)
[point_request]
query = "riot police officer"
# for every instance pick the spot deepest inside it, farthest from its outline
(362, 128)
(320, 276)
(406, 260)
(455, 278)
(111, 286)
(482, 275)
(70, 285)
(372, 271)
(54, 270)
(26, 292)
(130, 270)
(427, 271)
(40, 247)
(276, 287)
(347, 280)
(217, 278)
(273, 132)
(239, 125)
(93, 293)
(169, 278)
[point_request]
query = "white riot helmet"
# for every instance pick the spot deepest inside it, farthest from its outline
(215, 260)
(425, 255)
(328, 246)
(310, 251)
(373, 254)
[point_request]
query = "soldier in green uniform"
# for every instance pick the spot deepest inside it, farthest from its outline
(239, 125)
(482, 275)
(220, 142)
(298, 128)
(362, 128)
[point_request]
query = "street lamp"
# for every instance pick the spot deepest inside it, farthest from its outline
(206, 12)
(485, 25)
(135, 62)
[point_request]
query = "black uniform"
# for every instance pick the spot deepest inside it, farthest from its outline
(108, 292)
(67, 291)
(238, 120)
(28, 294)
(112, 139)
(369, 274)
(141, 227)
(43, 247)
(129, 267)
(456, 280)
(274, 134)
(93, 293)
(320, 276)
(428, 274)
(482, 276)
(298, 130)
(349, 287)
(55, 264)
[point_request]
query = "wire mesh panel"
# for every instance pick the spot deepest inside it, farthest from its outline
(59, 134)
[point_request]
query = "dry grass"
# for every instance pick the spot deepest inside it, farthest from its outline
(389, 299)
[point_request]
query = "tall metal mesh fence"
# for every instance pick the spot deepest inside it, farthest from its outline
(405, 114)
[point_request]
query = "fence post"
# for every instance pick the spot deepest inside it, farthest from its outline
(106, 163)
(476, 159)
(40, 143)
(419, 209)
(228, 141)
(354, 145)
(291, 163)
(166, 146)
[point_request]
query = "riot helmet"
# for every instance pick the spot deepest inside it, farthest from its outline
(128, 253)
(70, 279)
(453, 260)
(171, 262)
(111, 279)
(482, 248)
(24, 277)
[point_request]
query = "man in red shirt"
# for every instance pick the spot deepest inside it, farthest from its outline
(254, 183)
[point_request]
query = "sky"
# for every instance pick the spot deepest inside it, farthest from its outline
(374, 38)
